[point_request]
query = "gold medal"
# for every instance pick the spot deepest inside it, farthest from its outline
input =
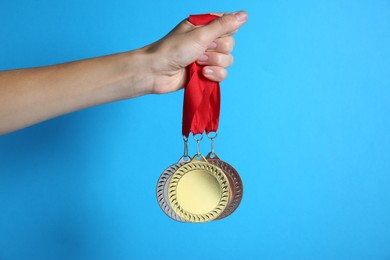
(235, 182)
(198, 191)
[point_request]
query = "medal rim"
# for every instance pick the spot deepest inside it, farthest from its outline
(212, 169)
(162, 183)
(237, 185)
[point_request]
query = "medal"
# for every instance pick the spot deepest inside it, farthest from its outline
(198, 191)
(162, 190)
(201, 189)
(235, 182)
(162, 185)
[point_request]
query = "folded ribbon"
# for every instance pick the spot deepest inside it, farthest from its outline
(201, 106)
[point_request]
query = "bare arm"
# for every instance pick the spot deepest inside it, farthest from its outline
(29, 96)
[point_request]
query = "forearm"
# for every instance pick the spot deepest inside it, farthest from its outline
(28, 96)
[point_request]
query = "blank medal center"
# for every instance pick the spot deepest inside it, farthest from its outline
(198, 192)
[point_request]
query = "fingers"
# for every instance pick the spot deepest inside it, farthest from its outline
(214, 73)
(222, 26)
(215, 59)
(222, 45)
(217, 56)
(215, 65)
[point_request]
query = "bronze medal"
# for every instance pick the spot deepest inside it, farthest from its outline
(235, 183)
(198, 191)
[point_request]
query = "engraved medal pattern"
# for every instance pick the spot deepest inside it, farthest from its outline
(214, 172)
(235, 184)
(162, 191)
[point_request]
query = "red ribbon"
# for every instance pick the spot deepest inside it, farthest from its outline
(201, 96)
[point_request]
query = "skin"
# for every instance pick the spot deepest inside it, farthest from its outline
(30, 96)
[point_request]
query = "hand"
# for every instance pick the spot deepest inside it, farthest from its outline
(209, 45)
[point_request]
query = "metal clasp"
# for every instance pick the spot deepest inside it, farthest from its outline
(212, 137)
(197, 140)
(186, 157)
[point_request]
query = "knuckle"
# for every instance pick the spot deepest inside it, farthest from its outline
(222, 60)
(231, 42)
(231, 60)
(222, 74)
(203, 40)
(222, 21)
(218, 59)
(227, 61)
(226, 44)
(225, 20)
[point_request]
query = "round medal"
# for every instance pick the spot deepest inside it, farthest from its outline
(162, 190)
(198, 191)
(235, 182)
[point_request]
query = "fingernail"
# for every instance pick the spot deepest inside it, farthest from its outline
(241, 16)
(208, 71)
(204, 57)
(212, 45)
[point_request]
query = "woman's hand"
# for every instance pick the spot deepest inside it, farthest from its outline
(209, 45)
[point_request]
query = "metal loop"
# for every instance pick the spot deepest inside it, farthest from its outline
(187, 159)
(196, 139)
(212, 155)
(198, 147)
(185, 147)
(212, 145)
(212, 140)
(212, 137)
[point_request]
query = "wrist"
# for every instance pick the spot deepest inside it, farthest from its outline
(137, 75)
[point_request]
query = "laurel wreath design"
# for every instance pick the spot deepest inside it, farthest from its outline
(160, 191)
(211, 169)
(237, 186)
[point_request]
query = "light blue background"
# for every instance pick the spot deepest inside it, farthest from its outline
(305, 119)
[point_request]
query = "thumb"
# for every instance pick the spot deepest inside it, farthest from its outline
(224, 25)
